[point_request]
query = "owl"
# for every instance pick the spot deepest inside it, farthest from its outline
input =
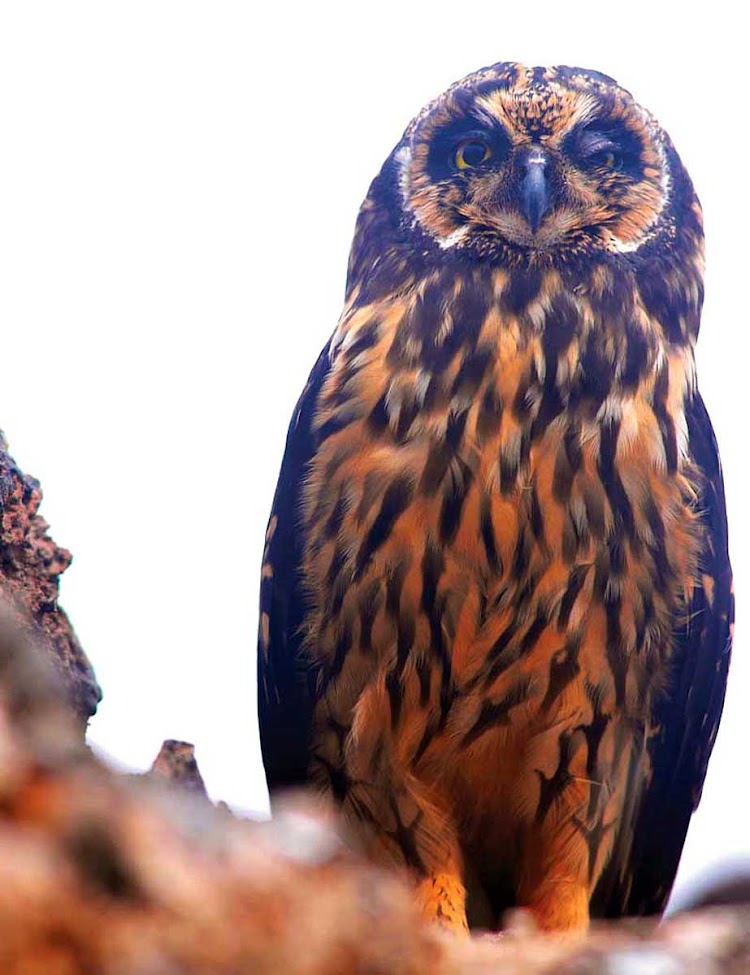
(496, 600)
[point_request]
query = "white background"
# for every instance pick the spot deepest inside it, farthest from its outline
(178, 188)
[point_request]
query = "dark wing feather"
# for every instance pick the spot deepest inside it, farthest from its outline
(642, 868)
(286, 680)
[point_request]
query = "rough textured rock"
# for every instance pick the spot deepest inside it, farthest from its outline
(102, 874)
(30, 569)
(176, 763)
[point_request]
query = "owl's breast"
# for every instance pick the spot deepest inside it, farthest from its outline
(496, 482)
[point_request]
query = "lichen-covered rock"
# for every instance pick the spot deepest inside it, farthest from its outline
(30, 568)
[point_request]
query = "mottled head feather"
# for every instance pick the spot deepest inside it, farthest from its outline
(608, 182)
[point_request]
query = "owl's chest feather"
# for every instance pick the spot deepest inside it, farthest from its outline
(500, 482)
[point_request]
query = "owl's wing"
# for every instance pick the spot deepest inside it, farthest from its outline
(286, 680)
(642, 868)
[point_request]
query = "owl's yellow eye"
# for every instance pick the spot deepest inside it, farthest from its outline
(609, 159)
(472, 153)
(607, 150)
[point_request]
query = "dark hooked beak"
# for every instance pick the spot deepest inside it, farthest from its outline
(534, 189)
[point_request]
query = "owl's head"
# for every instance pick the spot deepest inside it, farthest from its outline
(536, 165)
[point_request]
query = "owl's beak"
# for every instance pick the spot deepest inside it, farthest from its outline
(534, 189)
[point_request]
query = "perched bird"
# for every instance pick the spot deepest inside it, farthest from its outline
(496, 601)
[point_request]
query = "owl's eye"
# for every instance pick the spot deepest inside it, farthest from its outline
(472, 153)
(605, 159)
(607, 149)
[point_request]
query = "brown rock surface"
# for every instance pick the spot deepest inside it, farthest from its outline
(30, 568)
(176, 763)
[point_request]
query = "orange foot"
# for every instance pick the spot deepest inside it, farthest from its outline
(442, 898)
(560, 905)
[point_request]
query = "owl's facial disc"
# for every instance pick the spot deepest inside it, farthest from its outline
(540, 167)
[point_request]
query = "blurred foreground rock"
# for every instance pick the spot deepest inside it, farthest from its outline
(102, 874)
(30, 568)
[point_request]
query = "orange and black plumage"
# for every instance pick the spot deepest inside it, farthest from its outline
(496, 601)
